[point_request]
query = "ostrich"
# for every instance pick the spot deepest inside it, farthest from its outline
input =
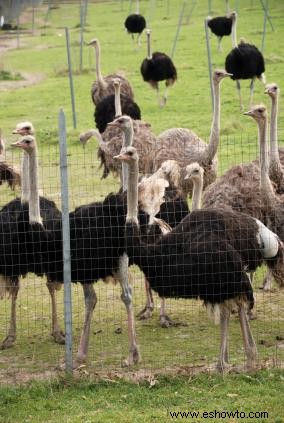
(195, 173)
(110, 144)
(275, 166)
(103, 86)
(273, 204)
(7, 172)
(115, 105)
(186, 147)
(221, 26)
(36, 218)
(135, 24)
(160, 199)
(245, 61)
(158, 67)
(210, 244)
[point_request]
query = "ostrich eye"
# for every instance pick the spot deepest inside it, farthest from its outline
(27, 142)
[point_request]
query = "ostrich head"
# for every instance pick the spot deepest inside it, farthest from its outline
(219, 75)
(27, 143)
(94, 42)
(123, 122)
(194, 171)
(128, 154)
(2, 144)
(258, 113)
(170, 170)
(24, 128)
(232, 15)
(272, 90)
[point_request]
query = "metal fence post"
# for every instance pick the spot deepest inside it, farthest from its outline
(82, 13)
(66, 243)
(70, 77)
(209, 60)
(178, 29)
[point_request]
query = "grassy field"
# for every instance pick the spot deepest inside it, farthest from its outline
(42, 57)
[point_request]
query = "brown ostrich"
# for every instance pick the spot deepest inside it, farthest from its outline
(111, 141)
(8, 173)
(103, 86)
(273, 203)
(184, 146)
(275, 166)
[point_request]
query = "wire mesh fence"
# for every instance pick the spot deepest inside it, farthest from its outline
(188, 340)
(191, 342)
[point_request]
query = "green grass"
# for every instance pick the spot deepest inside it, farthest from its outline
(150, 400)
(189, 105)
(8, 76)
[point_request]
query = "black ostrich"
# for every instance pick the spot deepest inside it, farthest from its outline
(245, 61)
(221, 26)
(135, 24)
(23, 238)
(206, 256)
(115, 105)
(158, 67)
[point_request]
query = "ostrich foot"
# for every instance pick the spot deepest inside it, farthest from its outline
(166, 322)
(59, 337)
(8, 342)
(134, 357)
(267, 284)
(251, 315)
(163, 102)
(76, 365)
(146, 313)
(250, 366)
(223, 367)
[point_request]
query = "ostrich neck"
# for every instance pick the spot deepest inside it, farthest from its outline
(25, 184)
(132, 193)
(117, 102)
(100, 79)
(274, 153)
(265, 183)
(34, 209)
(197, 193)
(137, 7)
(149, 53)
(234, 33)
(211, 149)
(127, 141)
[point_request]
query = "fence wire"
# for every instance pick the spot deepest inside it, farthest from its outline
(193, 341)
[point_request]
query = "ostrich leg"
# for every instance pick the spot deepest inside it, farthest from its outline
(126, 296)
(267, 281)
(10, 339)
(249, 344)
(251, 92)
(147, 311)
(224, 326)
(90, 303)
(56, 332)
(240, 94)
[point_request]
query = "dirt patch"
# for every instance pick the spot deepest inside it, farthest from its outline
(30, 79)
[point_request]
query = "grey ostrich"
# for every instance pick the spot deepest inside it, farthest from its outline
(217, 254)
(275, 166)
(184, 146)
(103, 86)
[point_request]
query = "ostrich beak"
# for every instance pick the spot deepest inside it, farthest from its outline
(121, 156)
(17, 144)
(228, 74)
(16, 131)
(249, 113)
(114, 124)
